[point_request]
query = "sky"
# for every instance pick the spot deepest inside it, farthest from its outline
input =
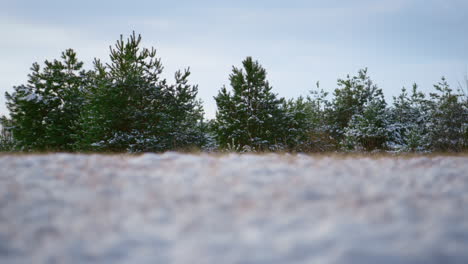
(298, 42)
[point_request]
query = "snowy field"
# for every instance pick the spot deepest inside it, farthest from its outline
(269, 209)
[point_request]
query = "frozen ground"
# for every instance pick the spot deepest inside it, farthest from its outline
(270, 209)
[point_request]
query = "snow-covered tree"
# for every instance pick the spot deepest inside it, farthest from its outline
(296, 126)
(44, 111)
(350, 98)
(251, 116)
(448, 119)
(183, 120)
(6, 138)
(318, 111)
(408, 119)
(356, 113)
(130, 107)
(368, 130)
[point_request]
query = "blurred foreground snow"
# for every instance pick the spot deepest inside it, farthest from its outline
(176, 208)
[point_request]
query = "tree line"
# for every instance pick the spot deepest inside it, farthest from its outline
(126, 106)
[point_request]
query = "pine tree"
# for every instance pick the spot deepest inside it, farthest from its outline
(359, 100)
(96, 117)
(6, 138)
(184, 126)
(448, 119)
(319, 112)
(349, 99)
(130, 107)
(251, 116)
(27, 111)
(409, 116)
(369, 130)
(44, 111)
(296, 131)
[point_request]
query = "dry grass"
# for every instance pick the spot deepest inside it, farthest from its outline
(337, 155)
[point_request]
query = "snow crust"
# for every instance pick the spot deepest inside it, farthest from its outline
(178, 208)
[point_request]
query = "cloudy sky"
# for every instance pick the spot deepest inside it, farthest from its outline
(299, 42)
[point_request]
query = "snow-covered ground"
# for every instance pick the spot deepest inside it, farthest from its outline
(176, 208)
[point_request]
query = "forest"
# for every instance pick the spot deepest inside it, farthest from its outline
(126, 106)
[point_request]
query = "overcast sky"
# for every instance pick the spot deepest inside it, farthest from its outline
(299, 42)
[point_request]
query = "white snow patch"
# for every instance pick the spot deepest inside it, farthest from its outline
(178, 208)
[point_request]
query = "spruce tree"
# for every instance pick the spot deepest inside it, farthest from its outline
(251, 115)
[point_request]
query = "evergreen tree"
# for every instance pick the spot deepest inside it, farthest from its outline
(350, 98)
(125, 105)
(251, 116)
(307, 126)
(184, 127)
(44, 111)
(319, 112)
(130, 107)
(448, 119)
(209, 136)
(409, 117)
(368, 130)
(6, 138)
(296, 131)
